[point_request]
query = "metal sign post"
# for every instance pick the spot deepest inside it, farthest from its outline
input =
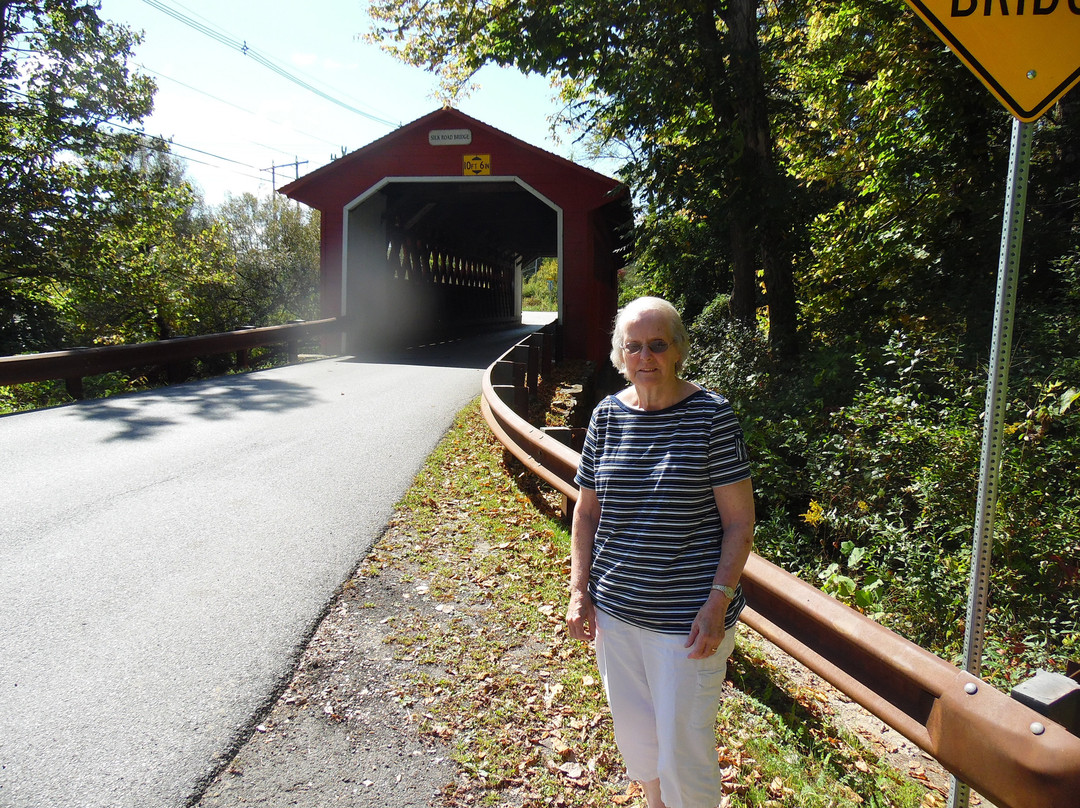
(1028, 61)
(1012, 231)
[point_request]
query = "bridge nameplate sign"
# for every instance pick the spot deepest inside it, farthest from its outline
(1026, 52)
(449, 137)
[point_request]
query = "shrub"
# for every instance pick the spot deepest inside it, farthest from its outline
(866, 467)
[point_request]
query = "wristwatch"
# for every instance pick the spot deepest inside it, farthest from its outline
(727, 590)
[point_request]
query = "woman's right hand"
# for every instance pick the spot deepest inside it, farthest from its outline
(581, 616)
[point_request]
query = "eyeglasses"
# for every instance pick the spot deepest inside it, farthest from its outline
(654, 345)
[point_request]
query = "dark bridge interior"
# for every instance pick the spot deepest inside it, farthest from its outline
(454, 252)
(460, 215)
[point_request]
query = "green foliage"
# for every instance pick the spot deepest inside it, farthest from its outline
(63, 82)
(866, 469)
(540, 291)
(155, 266)
(900, 158)
(679, 257)
(843, 587)
(274, 261)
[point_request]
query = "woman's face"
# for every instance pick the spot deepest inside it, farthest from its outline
(647, 368)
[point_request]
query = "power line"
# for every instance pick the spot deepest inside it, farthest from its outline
(265, 61)
(296, 163)
(210, 29)
(245, 110)
(158, 140)
(219, 35)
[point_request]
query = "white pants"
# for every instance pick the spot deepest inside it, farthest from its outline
(664, 708)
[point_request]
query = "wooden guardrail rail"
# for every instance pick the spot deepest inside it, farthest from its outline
(1003, 749)
(72, 365)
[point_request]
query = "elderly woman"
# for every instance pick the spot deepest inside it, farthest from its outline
(662, 528)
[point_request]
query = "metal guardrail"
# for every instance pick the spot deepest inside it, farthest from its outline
(1006, 751)
(72, 365)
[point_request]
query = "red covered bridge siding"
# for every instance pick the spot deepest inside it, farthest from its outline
(427, 229)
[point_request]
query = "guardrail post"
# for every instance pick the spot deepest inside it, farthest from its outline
(547, 358)
(533, 379)
(560, 433)
(508, 380)
(292, 342)
(1054, 695)
(556, 341)
(243, 355)
(178, 370)
(506, 393)
(521, 391)
(520, 355)
(74, 384)
(571, 436)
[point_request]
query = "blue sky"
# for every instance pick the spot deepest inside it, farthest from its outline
(231, 117)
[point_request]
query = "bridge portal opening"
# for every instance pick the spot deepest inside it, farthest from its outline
(432, 257)
(540, 285)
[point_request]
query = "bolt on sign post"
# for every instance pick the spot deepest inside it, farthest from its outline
(1027, 53)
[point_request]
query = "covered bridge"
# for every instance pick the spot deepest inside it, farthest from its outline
(426, 231)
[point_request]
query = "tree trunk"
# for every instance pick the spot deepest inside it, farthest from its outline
(759, 178)
(3, 25)
(743, 304)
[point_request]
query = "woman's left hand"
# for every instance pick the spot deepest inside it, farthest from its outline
(707, 631)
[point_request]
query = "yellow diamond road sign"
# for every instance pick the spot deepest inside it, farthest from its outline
(1027, 52)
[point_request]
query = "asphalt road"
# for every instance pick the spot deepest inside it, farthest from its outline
(164, 557)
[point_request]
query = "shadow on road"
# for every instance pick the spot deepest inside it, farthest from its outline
(216, 399)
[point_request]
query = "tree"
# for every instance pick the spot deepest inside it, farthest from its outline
(167, 267)
(681, 84)
(161, 263)
(900, 155)
(275, 259)
(540, 289)
(64, 82)
(899, 152)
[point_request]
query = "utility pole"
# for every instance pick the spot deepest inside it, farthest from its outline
(296, 163)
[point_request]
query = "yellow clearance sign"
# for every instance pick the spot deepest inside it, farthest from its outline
(1027, 52)
(480, 164)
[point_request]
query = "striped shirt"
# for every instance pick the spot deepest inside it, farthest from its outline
(657, 544)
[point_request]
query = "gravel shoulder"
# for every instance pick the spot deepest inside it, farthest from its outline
(340, 734)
